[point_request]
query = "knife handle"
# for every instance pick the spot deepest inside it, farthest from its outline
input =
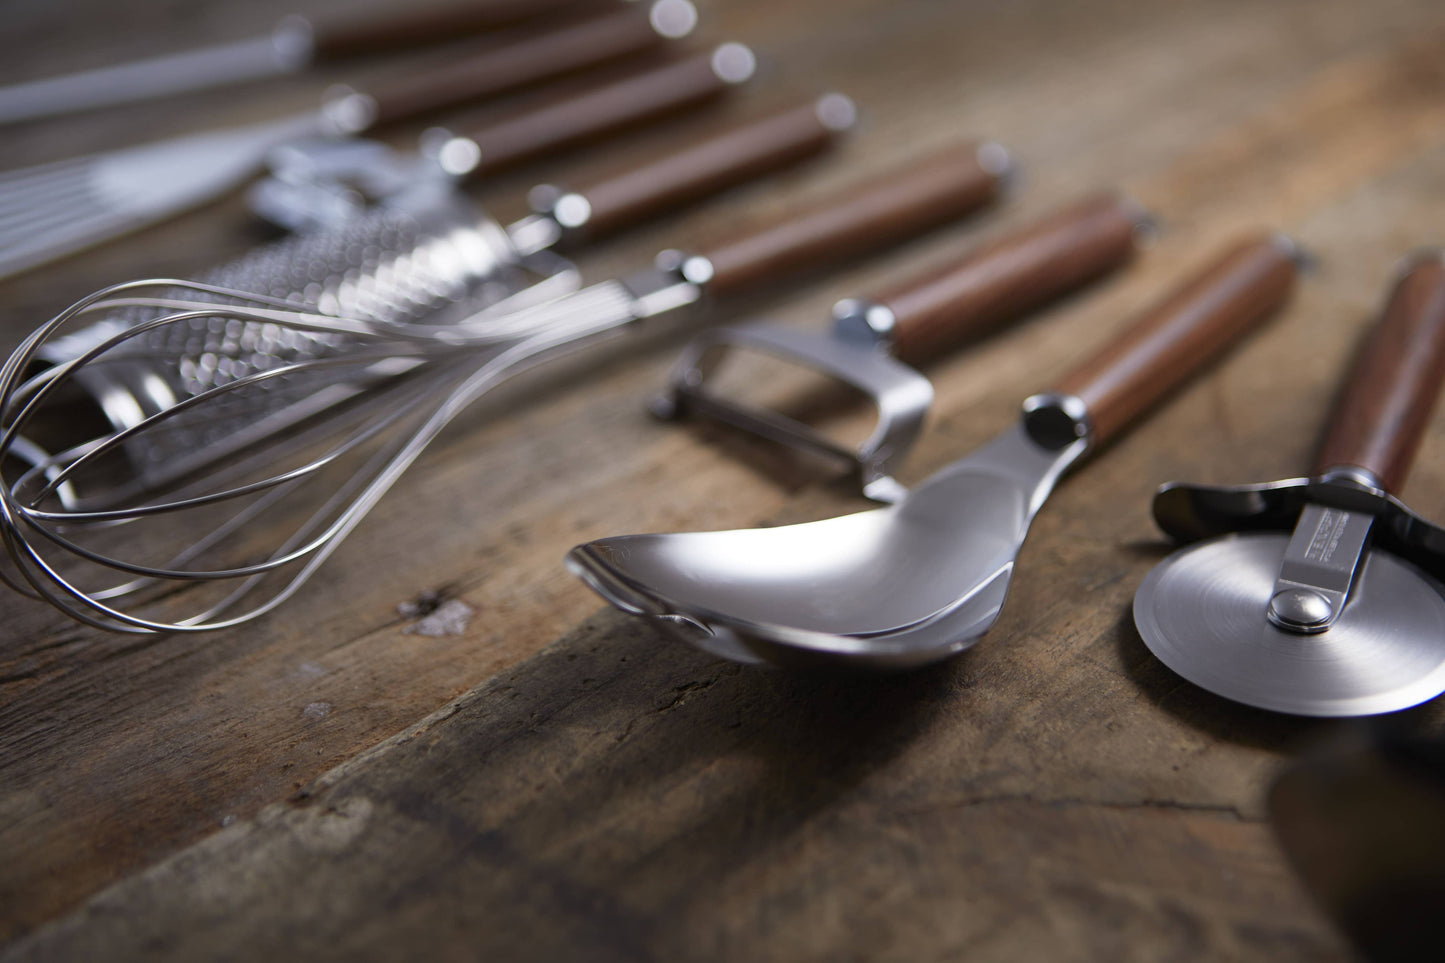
(746, 151)
(1184, 332)
(1382, 413)
(633, 100)
(535, 58)
(921, 195)
(1010, 276)
(335, 39)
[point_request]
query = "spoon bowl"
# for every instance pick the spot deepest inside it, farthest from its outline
(897, 587)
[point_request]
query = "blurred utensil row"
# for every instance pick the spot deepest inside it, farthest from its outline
(293, 45)
(321, 167)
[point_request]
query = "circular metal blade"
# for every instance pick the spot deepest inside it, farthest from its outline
(1202, 612)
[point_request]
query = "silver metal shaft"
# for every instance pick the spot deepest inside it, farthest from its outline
(284, 52)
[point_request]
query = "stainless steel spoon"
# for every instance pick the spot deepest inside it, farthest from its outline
(924, 578)
(1346, 616)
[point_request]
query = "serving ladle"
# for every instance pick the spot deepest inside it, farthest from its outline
(922, 579)
(1320, 596)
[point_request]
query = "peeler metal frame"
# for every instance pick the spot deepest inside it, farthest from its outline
(857, 355)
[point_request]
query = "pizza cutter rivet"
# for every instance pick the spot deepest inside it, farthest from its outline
(1300, 610)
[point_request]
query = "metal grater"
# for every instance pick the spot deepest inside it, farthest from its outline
(431, 257)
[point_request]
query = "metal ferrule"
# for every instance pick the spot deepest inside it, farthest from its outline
(348, 111)
(456, 154)
(674, 281)
(1352, 476)
(293, 42)
(558, 215)
(1147, 225)
(999, 161)
(864, 322)
(1304, 260)
(1056, 420)
(1417, 257)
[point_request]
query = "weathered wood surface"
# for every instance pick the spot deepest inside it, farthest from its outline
(576, 785)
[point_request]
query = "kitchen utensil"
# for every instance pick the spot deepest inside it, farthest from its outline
(428, 256)
(76, 519)
(876, 339)
(1345, 616)
(318, 184)
(924, 578)
(62, 207)
(294, 44)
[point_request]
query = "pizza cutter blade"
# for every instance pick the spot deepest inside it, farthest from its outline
(1202, 613)
(1346, 615)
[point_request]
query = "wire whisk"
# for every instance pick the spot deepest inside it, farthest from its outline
(135, 504)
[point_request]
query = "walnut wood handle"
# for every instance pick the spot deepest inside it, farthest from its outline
(924, 194)
(532, 59)
(1012, 275)
(335, 39)
(1382, 413)
(742, 153)
(1179, 336)
(636, 99)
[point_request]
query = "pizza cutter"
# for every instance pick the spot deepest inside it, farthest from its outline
(1345, 614)
(924, 578)
(876, 340)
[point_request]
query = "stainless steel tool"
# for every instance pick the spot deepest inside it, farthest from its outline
(924, 578)
(876, 340)
(427, 255)
(74, 519)
(1344, 616)
(59, 208)
(293, 45)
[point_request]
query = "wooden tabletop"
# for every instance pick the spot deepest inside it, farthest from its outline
(559, 781)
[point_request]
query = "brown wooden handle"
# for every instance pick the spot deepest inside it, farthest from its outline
(1010, 276)
(1183, 333)
(1382, 413)
(529, 60)
(742, 153)
(636, 99)
(334, 39)
(924, 194)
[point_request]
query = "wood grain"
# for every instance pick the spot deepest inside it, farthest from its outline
(899, 204)
(1054, 794)
(745, 151)
(1392, 390)
(1196, 322)
(1011, 275)
(599, 109)
(540, 55)
(366, 31)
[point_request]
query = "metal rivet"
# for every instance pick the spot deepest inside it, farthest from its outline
(1300, 610)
